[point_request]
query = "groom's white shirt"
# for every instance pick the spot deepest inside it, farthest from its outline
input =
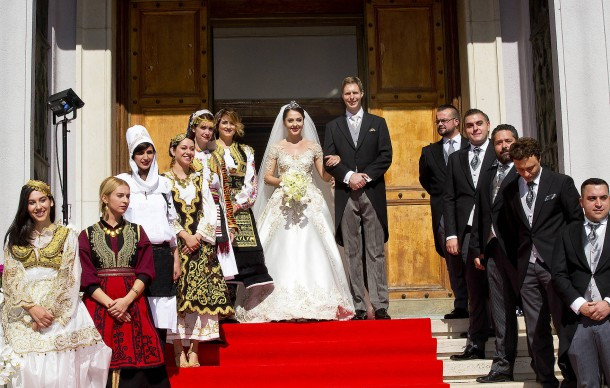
(349, 115)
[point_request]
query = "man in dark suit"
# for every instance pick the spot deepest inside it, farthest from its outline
(581, 273)
(487, 249)
(362, 140)
(432, 175)
(537, 207)
(463, 180)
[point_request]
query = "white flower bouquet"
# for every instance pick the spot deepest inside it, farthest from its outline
(294, 185)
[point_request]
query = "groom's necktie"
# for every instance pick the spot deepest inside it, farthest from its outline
(593, 252)
(354, 128)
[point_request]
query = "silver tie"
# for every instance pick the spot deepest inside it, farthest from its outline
(592, 293)
(529, 198)
(450, 150)
(475, 160)
(499, 178)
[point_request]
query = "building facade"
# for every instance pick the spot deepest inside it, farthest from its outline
(542, 66)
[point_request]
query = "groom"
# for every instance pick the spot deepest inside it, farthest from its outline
(362, 140)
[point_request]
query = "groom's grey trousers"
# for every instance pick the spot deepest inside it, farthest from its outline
(359, 218)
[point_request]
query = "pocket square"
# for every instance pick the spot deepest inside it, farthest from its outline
(549, 197)
(372, 130)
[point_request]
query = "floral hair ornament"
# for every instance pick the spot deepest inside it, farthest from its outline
(173, 143)
(39, 186)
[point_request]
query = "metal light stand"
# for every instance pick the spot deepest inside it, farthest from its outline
(64, 136)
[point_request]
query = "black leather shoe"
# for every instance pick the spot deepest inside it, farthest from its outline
(495, 377)
(360, 315)
(382, 314)
(457, 314)
(471, 353)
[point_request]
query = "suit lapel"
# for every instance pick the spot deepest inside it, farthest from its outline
(604, 258)
(365, 125)
(344, 129)
(488, 160)
(516, 198)
(576, 235)
(546, 181)
(466, 167)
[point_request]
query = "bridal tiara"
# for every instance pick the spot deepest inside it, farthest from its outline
(293, 105)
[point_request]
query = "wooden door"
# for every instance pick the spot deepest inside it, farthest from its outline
(168, 71)
(406, 82)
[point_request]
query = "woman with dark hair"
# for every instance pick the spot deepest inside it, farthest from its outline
(292, 212)
(117, 261)
(43, 319)
(151, 206)
(243, 185)
(202, 291)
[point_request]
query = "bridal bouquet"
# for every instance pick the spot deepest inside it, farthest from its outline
(294, 185)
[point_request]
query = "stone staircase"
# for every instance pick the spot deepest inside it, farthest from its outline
(462, 374)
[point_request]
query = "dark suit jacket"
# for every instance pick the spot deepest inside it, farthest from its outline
(432, 175)
(372, 156)
(460, 190)
(571, 274)
(488, 213)
(556, 205)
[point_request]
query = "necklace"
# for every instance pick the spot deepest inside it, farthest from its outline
(184, 182)
(112, 232)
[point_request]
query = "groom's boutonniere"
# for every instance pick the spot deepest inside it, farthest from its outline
(372, 130)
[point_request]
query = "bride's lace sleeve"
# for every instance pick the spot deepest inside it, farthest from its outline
(61, 300)
(272, 158)
(317, 151)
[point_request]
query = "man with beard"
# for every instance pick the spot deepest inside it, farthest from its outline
(487, 249)
(432, 174)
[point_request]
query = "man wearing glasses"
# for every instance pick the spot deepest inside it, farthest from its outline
(432, 174)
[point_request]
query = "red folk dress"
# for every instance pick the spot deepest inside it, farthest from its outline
(112, 259)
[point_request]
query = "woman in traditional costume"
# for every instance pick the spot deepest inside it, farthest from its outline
(214, 174)
(43, 319)
(243, 189)
(202, 291)
(151, 206)
(116, 256)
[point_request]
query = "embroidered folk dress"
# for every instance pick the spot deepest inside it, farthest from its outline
(202, 290)
(300, 252)
(242, 181)
(70, 352)
(213, 171)
(112, 259)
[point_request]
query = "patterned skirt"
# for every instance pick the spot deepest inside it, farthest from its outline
(202, 288)
(134, 344)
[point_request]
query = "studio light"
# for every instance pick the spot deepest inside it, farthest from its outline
(62, 104)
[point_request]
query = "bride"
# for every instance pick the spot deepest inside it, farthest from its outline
(296, 229)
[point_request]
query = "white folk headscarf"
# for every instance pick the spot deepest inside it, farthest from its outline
(135, 136)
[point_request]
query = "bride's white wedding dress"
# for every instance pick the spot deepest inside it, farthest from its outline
(300, 252)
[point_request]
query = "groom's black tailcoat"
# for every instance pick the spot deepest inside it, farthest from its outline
(372, 156)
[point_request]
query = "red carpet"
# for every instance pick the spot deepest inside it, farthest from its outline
(396, 353)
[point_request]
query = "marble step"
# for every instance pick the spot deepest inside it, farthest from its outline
(512, 384)
(453, 328)
(465, 371)
(449, 346)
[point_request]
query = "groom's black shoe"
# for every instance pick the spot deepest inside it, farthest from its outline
(470, 353)
(382, 314)
(495, 377)
(360, 315)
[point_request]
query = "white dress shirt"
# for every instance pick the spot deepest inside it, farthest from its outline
(457, 143)
(529, 213)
